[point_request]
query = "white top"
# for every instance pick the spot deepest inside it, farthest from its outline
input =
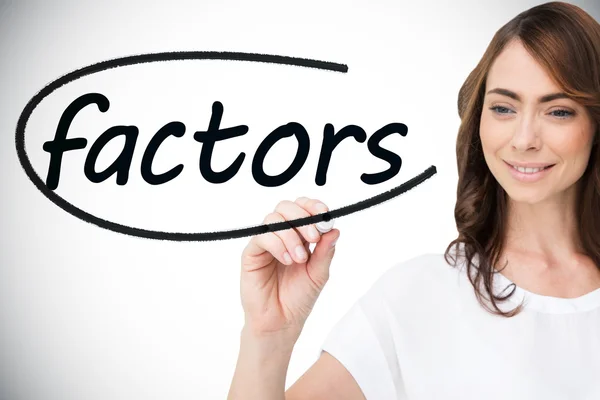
(419, 333)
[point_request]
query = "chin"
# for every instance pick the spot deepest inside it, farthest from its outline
(536, 195)
(523, 194)
(521, 197)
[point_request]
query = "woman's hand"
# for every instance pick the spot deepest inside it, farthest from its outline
(280, 278)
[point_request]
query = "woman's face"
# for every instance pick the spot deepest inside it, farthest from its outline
(537, 145)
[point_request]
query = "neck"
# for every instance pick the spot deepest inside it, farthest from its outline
(543, 251)
(548, 229)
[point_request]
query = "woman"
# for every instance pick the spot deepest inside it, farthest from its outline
(512, 309)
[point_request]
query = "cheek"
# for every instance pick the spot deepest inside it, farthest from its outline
(493, 137)
(572, 145)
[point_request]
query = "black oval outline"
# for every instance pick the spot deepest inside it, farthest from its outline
(180, 236)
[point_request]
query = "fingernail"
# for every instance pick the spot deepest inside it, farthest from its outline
(287, 258)
(320, 207)
(300, 252)
(334, 242)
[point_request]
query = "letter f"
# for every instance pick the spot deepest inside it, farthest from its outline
(61, 144)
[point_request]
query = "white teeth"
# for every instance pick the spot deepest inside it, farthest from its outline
(528, 170)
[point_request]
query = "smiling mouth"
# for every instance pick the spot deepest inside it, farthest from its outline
(530, 170)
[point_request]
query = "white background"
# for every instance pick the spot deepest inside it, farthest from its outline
(86, 313)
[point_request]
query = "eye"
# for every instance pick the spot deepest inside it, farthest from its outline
(562, 113)
(500, 110)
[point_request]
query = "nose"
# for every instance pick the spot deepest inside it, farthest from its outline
(526, 134)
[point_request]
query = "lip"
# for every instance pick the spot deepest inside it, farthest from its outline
(528, 165)
(523, 177)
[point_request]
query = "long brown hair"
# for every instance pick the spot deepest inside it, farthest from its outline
(566, 41)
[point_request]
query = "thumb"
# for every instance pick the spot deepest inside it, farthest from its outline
(320, 259)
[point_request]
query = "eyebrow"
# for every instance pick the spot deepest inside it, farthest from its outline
(543, 99)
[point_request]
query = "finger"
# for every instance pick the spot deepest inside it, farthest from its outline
(291, 211)
(320, 259)
(267, 245)
(316, 207)
(291, 238)
(313, 206)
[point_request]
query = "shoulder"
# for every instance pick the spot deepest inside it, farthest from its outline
(398, 318)
(427, 282)
(421, 272)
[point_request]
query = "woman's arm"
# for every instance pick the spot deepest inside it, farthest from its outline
(262, 368)
(281, 280)
(326, 379)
